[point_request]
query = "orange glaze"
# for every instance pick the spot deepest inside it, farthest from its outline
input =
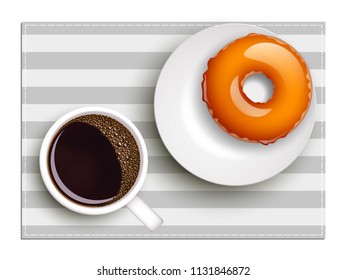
(234, 112)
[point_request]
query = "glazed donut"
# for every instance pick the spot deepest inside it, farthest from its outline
(238, 115)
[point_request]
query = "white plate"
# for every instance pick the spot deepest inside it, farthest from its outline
(191, 135)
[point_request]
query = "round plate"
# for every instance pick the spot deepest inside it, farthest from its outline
(191, 135)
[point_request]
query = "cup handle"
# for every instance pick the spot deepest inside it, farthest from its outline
(144, 213)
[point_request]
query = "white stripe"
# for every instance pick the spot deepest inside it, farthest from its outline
(305, 43)
(155, 147)
(314, 147)
(92, 78)
(320, 112)
(102, 43)
(32, 182)
(135, 112)
(62, 216)
(52, 112)
(108, 78)
(187, 182)
(181, 217)
(31, 147)
(138, 43)
(318, 77)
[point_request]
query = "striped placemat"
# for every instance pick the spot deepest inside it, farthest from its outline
(116, 65)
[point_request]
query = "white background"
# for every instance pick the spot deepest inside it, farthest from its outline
(79, 259)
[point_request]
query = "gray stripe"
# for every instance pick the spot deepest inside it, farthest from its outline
(318, 131)
(104, 60)
(320, 95)
(88, 95)
(303, 164)
(101, 28)
(234, 199)
(120, 60)
(166, 164)
(37, 130)
(174, 232)
(204, 199)
(103, 95)
(314, 60)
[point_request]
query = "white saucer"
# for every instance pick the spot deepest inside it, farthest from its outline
(191, 135)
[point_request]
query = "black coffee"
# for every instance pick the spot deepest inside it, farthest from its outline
(94, 160)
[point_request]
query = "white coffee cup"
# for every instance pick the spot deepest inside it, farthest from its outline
(144, 213)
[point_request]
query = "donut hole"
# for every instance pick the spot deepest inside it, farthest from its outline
(258, 88)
